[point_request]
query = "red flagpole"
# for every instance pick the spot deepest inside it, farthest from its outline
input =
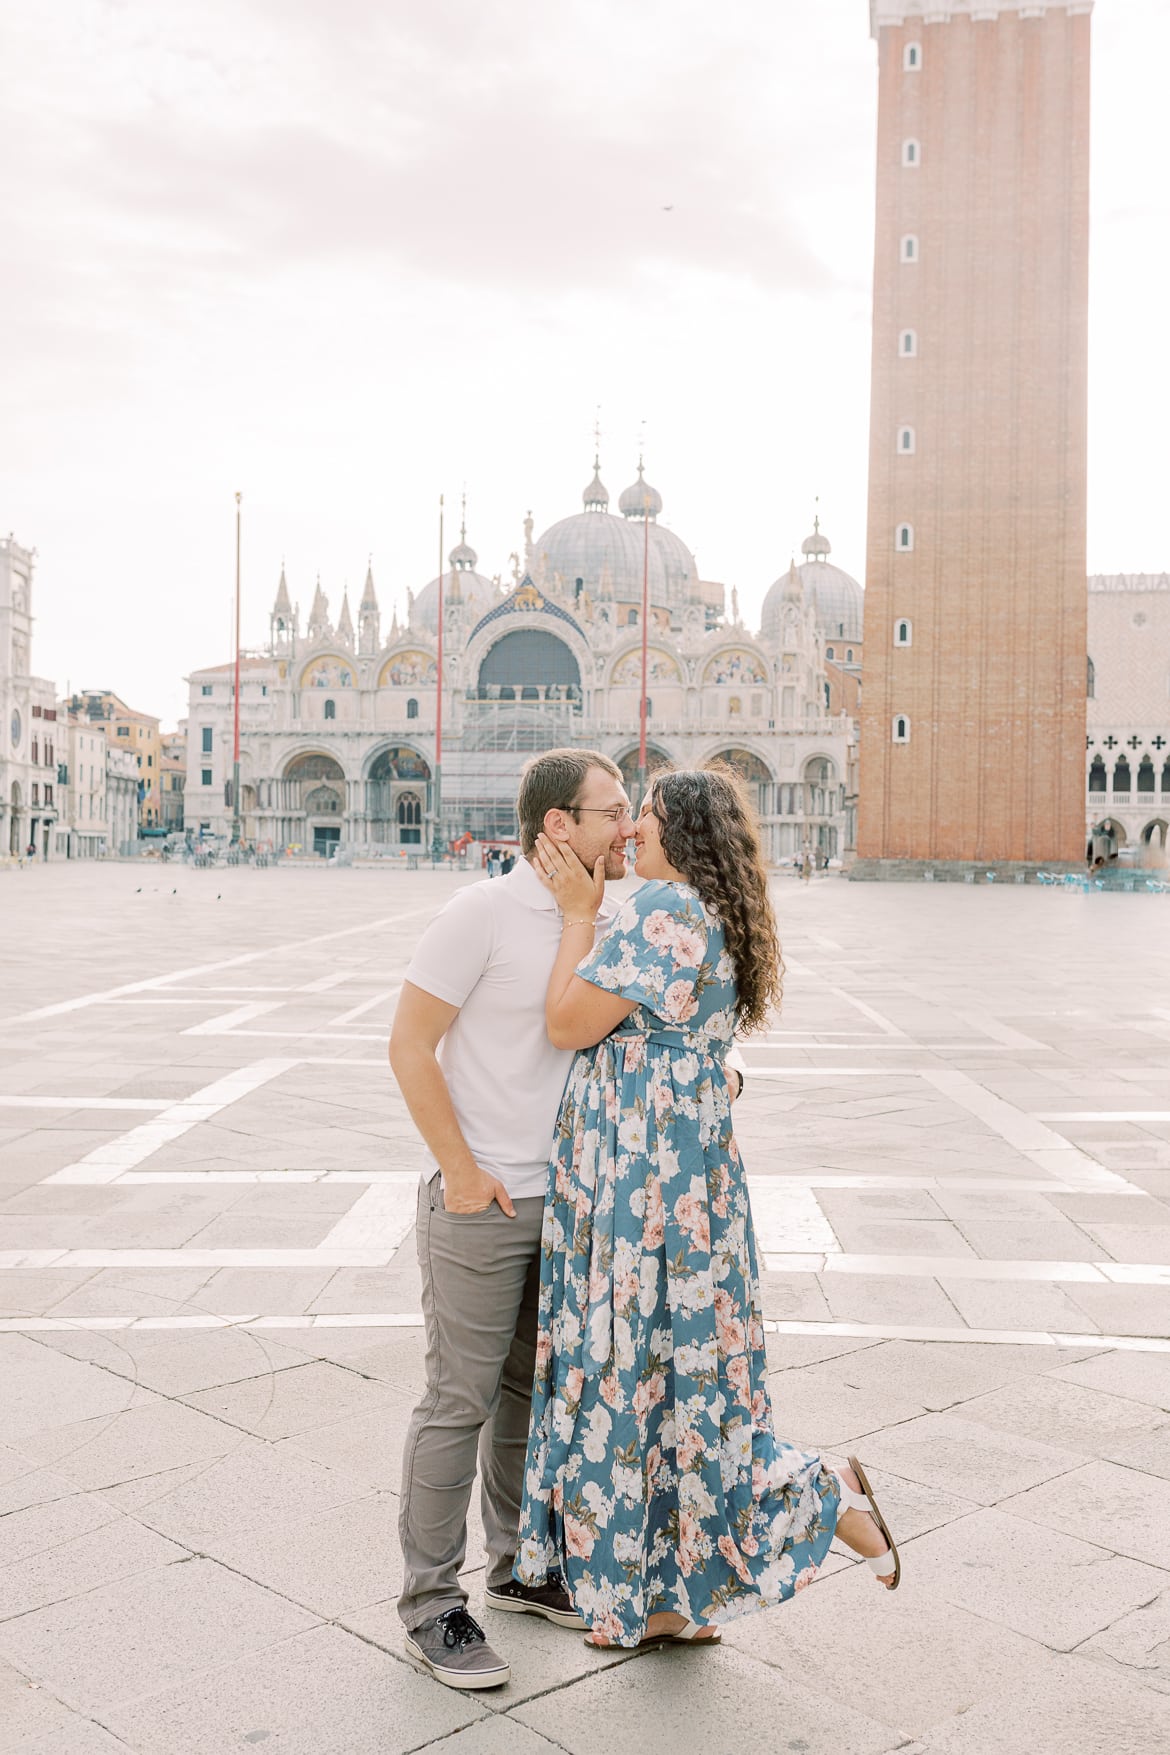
(438, 793)
(645, 644)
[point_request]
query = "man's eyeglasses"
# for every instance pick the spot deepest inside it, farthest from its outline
(615, 812)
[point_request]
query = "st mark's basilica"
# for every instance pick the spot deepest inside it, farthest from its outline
(338, 723)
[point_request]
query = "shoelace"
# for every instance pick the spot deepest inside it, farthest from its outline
(459, 1629)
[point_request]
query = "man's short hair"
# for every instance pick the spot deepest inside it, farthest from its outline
(553, 781)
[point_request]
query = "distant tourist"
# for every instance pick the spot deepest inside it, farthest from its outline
(507, 863)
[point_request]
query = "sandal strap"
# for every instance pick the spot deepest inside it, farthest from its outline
(882, 1564)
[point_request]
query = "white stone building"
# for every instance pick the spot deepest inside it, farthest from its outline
(28, 719)
(84, 802)
(338, 724)
(1128, 753)
(122, 798)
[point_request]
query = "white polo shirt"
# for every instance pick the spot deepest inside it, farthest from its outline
(490, 951)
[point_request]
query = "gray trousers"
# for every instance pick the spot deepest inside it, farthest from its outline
(480, 1286)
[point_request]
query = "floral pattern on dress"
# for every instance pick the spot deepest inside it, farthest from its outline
(654, 1479)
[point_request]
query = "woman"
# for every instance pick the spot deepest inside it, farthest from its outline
(654, 1479)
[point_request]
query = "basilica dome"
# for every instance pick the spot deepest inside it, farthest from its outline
(838, 599)
(606, 552)
(477, 593)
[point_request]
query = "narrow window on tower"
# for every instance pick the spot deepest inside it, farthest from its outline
(903, 633)
(412, 709)
(911, 154)
(912, 57)
(908, 344)
(1091, 683)
(830, 652)
(901, 728)
(906, 441)
(331, 709)
(909, 248)
(904, 538)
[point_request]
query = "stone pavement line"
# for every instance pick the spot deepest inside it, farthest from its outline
(106, 1162)
(64, 1006)
(877, 1331)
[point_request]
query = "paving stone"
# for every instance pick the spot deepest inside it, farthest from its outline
(331, 1562)
(263, 1291)
(1038, 1582)
(1139, 1377)
(150, 1435)
(22, 1484)
(901, 1662)
(132, 1292)
(1130, 1511)
(294, 1400)
(1125, 1310)
(143, 1634)
(76, 1550)
(1065, 1414)
(325, 1692)
(26, 1709)
(674, 1699)
(75, 1735)
(42, 1389)
(789, 1352)
(28, 1293)
(964, 1458)
(366, 1446)
(1137, 1645)
(821, 1407)
(886, 1298)
(256, 1486)
(1065, 1709)
(999, 1304)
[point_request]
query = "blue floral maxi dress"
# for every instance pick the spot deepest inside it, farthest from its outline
(654, 1479)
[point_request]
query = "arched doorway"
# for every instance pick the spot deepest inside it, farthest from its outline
(655, 759)
(315, 792)
(1154, 842)
(397, 795)
(755, 774)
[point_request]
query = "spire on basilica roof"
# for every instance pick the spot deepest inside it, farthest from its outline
(345, 621)
(283, 604)
(816, 546)
(463, 557)
(369, 595)
(596, 495)
(319, 614)
(640, 500)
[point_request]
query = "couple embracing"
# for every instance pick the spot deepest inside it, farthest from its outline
(594, 1336)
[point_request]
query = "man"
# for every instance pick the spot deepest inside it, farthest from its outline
(483, 1085)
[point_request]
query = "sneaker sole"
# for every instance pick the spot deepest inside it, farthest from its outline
(456, 1678)
(510, 1606)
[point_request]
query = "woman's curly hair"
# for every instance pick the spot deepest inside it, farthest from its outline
(709, 832)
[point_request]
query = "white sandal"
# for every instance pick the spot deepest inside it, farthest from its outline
(884, 1565)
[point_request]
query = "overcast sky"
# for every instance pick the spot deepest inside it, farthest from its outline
(345, 255)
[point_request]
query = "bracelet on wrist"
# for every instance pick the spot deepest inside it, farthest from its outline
(565, 923)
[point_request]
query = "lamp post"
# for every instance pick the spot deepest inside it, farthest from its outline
(235, 841)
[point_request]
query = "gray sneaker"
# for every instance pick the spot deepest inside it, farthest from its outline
(453, 1648)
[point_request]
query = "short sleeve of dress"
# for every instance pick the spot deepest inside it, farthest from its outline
(655, 953)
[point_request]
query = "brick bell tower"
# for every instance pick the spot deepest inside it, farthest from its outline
(973, 698)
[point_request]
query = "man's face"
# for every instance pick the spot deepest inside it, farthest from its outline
(601, 823)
